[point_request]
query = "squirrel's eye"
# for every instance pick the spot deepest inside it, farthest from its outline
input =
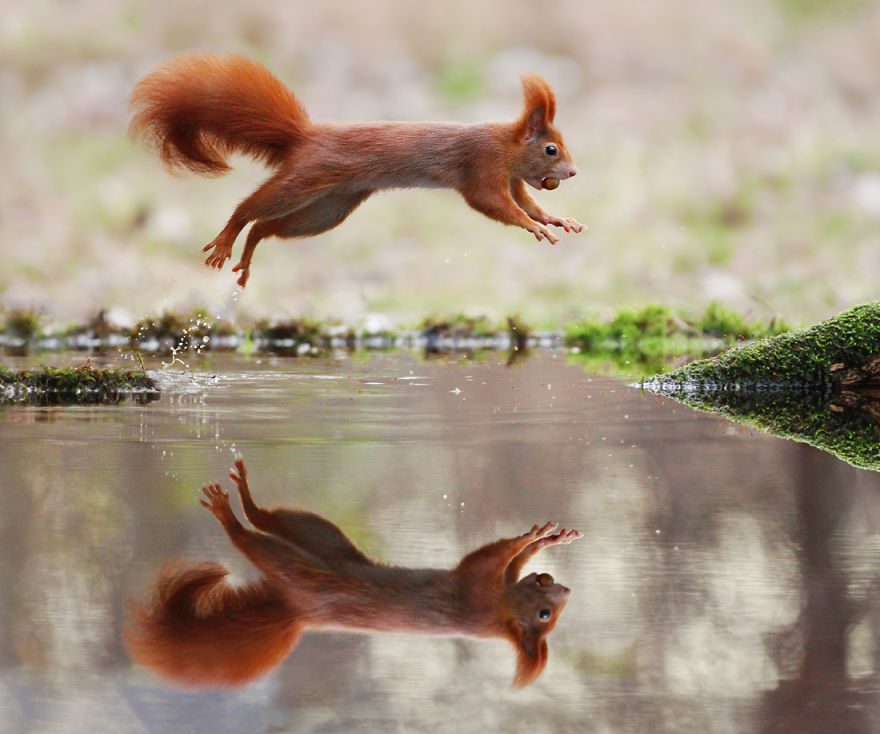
(544, 614)
(550, 149)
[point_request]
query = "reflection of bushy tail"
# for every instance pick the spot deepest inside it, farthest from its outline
(202, 631)
(198, 108)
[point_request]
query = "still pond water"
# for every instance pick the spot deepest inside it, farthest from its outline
(727, 581)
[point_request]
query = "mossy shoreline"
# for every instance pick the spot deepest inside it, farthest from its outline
(639, 334)
(797, 360)
(82, 384)
(791, 386)
(631, 340)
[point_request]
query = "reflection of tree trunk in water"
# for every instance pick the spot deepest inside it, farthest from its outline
(821, 699)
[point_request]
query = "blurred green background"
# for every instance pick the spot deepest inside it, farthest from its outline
(727, 151)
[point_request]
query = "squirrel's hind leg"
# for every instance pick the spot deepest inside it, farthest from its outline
(318, 216)
(258, 231)
(222, 244)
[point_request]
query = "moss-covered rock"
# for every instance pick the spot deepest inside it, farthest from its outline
(798, 359)
(83, 384)
(793, 386)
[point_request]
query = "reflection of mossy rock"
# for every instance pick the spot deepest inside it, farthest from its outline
(784, 385)
(800, 415)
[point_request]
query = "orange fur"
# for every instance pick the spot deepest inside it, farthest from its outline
(199, 630)
(198, 108)
(176, 109)
(198, 611)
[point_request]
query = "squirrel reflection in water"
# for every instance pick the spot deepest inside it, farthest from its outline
(200, 630)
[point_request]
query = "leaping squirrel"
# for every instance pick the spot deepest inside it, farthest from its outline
(196, 109)
(200, 630)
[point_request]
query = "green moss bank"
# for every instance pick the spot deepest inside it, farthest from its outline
(72, 385)
(785, 386)
(796, 360)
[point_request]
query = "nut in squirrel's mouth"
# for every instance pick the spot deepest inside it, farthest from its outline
(550, 183)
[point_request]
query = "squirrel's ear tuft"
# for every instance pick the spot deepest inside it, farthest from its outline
(532, 652)
(540, 104)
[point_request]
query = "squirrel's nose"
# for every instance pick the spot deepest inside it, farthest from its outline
(572, 172)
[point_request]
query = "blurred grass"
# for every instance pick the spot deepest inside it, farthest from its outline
(805, 11)
(727, 152)
(459, 81)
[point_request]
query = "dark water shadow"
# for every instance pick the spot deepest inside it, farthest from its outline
(823, 693)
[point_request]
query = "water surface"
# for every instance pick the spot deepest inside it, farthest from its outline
(727, 580)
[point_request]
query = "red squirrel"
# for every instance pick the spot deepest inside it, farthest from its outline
(196, 109)
(199, 630)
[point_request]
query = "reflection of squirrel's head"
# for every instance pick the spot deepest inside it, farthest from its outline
(533, 607)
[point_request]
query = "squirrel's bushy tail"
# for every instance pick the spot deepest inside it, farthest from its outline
(196, 109)
(202, 631)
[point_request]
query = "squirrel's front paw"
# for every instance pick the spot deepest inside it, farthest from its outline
(544, 234)
(540, 531)
(569, 225)
(563, 536)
